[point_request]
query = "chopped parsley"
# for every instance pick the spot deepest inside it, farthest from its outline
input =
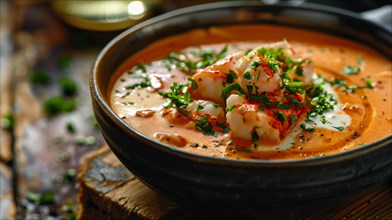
(44, 198)
(141, 68)
(255, 136)
(247, 76)
(360, 60)
(58, 104)
(203, 58)
(293, 119)
(339, 128)
(127, 103)
(306, 128)
(232, 87)
(70, 127)
(284, 106)
(229, 108)
(193, 83)
(68, 86)
(177, 97)
(39, 77)
(262, 98)
(64, 61)
(245, 149)
(272, 57)
(205, 126)
(280, 116)
(8, 121)
(231, 76)
(350, 70)
(321, 100)
(143, 84)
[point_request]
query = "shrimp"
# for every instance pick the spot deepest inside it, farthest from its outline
(245, 120)
(272, 124)
(248, 70)
(255, 73)
(258, 72)
(194, 111)
(211, 80)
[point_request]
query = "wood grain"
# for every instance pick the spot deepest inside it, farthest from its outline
(108, 188)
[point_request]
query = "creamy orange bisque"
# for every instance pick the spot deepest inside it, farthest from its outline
(256, 92)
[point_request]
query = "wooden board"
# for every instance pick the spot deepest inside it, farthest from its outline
(109, 191)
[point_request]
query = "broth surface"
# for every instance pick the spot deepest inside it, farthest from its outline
(368, 107)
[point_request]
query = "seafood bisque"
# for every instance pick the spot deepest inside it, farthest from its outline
(256, 92)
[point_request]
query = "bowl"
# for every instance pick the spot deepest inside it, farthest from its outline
(242, 187)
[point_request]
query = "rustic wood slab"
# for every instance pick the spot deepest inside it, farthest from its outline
(109, 191)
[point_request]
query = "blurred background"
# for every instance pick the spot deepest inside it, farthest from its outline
(47, 125)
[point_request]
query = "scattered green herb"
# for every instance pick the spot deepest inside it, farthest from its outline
(279, 115)
(58, 104)
(141, 68)
(293, 119)
(8, 121)
(306, 128)
(177, 97)
(229, 108)
(205, 126)
(216, 105)
(204, 58)
(39, 77)
(69, 87)
(193, 83)
(143, 84)
(262, 98)
(231, 76)
(70, 127)
(232, 87)
(44, 198)
(85, 140)
(127, 103)
(255, 136)
(350, 70)
(340, 128)
(69, 175)
(64, 61)
(245, 149)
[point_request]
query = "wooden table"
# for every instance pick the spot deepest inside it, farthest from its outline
(109, 191)
(41, 155)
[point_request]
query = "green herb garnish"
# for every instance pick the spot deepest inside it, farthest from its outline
(64, 61)
(350, 70)
(205, 126)
(229, 108)
(231, 76)
(143, 84)
(69, 87)
(70, 127)
(340, 128)
(232, 87)
(255, 136)
(279, 115)
(58, 104)
(306, 128)
(176, 96)
(8, 121)
(44, 198)
(39, 77)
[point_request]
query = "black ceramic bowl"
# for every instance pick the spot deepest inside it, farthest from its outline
(270, 188)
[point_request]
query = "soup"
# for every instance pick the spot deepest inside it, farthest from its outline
(256, 92)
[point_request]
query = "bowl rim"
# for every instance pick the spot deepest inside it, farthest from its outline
(332, 158)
